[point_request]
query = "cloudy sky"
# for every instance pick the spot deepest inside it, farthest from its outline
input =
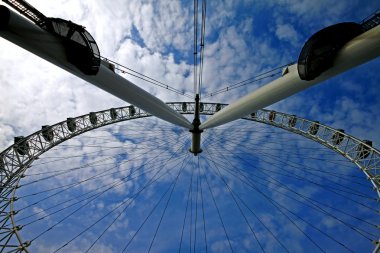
(243, 39)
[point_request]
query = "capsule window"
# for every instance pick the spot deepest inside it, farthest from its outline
(95, 50)
(60, 27)
(77, 37)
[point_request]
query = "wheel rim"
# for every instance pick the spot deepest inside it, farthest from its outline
(14, 164)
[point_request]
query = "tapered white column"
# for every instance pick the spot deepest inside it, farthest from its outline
(359, 50)
(29, 36)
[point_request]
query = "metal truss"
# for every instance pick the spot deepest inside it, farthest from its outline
(16, 159)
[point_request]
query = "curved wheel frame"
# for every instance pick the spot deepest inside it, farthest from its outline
(15, 160)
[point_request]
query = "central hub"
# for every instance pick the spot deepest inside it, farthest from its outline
(196, 132)
(196, 138)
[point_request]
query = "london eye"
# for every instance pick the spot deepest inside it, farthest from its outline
(215, 171)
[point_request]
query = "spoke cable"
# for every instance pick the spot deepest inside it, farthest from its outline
(202, 45)
(196, 208)
(296, 215)
(272, 159)
(187, 205)
(314, 206)
(167, 202)
(250, 80)
(114, 185)
(216, 168)
(273, 202)
(152, 211)
(203, 209)
(244, 161)
(125, 70)
(134, 196)
(217, 209)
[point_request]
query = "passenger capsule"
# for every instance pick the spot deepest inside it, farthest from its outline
(363, 151)
(113, 113)
(2, 164)
(47, 133)
(272, 116)
(253, 115)
(81, 48)
(218, 107)
(71, 124)
(292, 121)
(313, 129)
(318, 53)
(21, 145)
(93, 118)
(132, 111)
(184, 107)
(201, 107)
(337, 137)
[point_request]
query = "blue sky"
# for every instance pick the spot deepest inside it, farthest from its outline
(243, 38)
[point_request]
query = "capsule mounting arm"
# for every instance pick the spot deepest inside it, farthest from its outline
(359, 50)
(53, 48)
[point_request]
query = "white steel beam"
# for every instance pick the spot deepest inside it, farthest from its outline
(359, 50)
(29, 36)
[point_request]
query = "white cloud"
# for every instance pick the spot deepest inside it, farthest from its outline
(308, 10)
(287, 32)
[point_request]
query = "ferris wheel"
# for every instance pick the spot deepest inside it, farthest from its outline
(152, 194)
